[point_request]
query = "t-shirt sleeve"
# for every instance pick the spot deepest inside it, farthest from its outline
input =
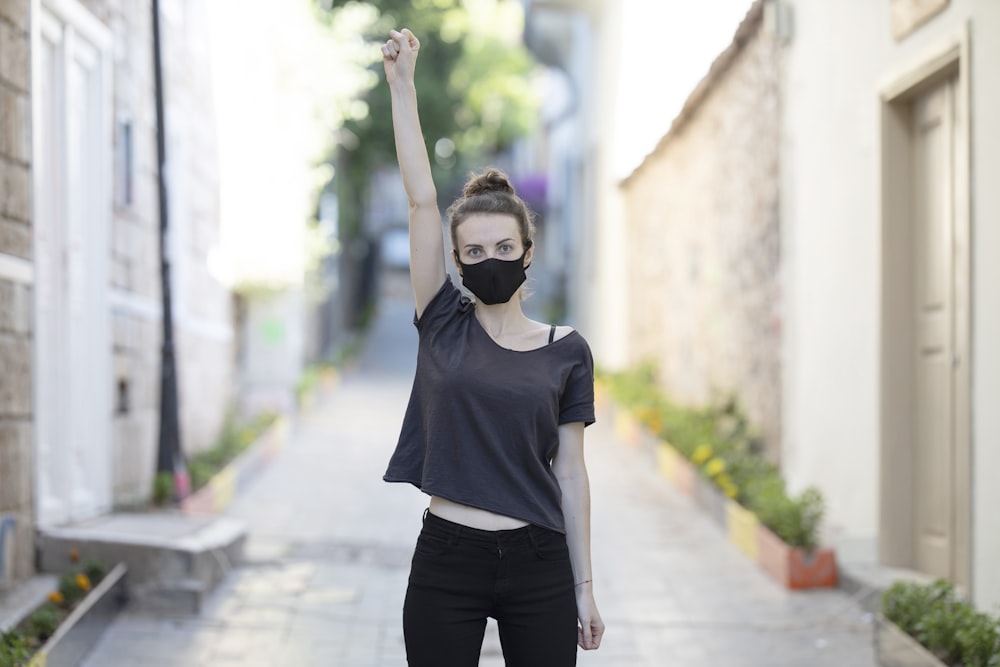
(577, 401)
(442, 307)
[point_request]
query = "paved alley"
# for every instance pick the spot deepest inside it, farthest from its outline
(330, 544)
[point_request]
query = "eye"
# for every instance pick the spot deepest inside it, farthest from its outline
(506, 247)
(474, 252)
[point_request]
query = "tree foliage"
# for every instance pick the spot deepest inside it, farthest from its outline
(474, 88)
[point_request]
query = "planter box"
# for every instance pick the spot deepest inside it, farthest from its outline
(627, 428)
(743, 528)
(669, 462)
(895, 648)
(675, 468)
(794, 567)
(76, 636)
(219, 492)
(687, 476)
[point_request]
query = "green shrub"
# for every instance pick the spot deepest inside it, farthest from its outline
(43, 622)
(163, 488)
(14, 649)
(70, 589)
(979, 641)
(95, 570)
(945, 625)
(795, 520)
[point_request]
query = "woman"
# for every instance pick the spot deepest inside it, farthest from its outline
(493, 431)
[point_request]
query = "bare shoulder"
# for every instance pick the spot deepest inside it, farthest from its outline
(563, 331)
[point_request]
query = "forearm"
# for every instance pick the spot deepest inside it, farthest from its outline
(410, 149)
(576, 512)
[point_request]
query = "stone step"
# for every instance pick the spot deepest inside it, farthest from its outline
(174, 560)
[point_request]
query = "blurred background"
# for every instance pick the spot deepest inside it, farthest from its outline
(793, 203)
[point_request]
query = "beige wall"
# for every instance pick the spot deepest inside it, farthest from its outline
(839, 58)
(986, 302)
(16, 296)
(701, 219)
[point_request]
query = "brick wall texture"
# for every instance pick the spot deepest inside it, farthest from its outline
(16, 344)
(704, 245)
(202, 304)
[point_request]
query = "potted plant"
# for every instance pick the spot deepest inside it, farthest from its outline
(788, 535)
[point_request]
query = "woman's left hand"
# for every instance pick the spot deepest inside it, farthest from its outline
(591, 628)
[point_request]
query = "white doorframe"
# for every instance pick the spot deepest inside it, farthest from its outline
(71, 170)
(947, 58)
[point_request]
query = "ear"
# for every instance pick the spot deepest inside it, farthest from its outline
(528, 253)
(458, 265)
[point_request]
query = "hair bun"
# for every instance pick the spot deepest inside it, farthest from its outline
(491, 180)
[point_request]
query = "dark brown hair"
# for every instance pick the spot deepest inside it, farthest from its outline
(491, 192)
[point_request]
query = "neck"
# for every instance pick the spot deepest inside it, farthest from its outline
(501, 317)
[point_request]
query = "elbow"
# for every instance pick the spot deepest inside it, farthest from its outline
(425, 200)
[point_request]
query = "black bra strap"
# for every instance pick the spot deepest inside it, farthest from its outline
(552, 334)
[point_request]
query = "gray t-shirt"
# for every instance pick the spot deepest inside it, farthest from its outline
(481, 427)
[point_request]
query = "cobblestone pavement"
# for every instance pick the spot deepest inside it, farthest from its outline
(330, 544)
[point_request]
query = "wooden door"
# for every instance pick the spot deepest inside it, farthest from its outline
(935, 355)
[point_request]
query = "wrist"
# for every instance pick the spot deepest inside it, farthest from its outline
(403, 86)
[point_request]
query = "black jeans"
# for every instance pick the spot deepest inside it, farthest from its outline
(461, 575)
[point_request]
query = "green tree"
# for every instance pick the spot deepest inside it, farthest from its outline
(474, 86)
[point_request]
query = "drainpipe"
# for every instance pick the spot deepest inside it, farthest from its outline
(170, 456)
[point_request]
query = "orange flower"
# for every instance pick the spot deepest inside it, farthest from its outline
(83, 581)
(56, 597)
(74, 555)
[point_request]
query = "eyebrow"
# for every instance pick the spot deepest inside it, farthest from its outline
(478, 245)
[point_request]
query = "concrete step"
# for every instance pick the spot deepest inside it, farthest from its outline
(174, 560)
(23, 598)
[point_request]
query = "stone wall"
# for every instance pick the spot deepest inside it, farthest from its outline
(703, 240)
(16, 296)
(202, 305)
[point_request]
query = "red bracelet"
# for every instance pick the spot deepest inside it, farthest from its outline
(585, 581)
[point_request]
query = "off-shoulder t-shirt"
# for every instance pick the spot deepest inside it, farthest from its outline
(481, 425)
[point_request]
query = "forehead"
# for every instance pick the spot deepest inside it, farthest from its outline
(487, 228)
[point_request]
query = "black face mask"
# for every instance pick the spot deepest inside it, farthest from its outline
(494, 280)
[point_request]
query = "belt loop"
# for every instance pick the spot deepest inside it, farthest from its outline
(427, 510)
(531, 537)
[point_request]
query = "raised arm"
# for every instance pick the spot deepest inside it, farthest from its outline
(427, 272)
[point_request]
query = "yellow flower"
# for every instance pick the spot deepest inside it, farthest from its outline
(725, 482)
(83, 581)
(701, 454)
(715, 467)
(56, 597)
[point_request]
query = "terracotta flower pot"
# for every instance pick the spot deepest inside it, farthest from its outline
(795, 567)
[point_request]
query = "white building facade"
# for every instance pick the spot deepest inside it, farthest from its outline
(891, 262)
